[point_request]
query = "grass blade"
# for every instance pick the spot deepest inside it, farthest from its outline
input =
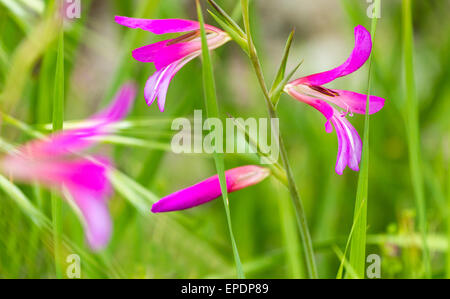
(58, 122)
(282, 69)
(412, 125)
(213, 111)
(357, 258)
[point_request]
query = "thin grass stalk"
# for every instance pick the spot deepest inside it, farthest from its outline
(213, 112)
(357, 258)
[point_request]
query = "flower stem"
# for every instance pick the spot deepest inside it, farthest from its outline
(293, 190)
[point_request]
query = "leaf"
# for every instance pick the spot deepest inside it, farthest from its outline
(358, 240)
(213, 112)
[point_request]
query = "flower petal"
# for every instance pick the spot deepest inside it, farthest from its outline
(351, 102)
(355, 102)
(79, 139)
(120, 106)
(166, 52)
(208, 190)
(360, 54)
(95, 217)
(350, 145)
(162, 55)
(349, 142)
(85, 180)
(322, 106)
(162, 26)
(158, 84)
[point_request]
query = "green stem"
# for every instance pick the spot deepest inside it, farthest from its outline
(293, 190)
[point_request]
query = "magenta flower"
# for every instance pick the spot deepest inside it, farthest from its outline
(169, 56)
(208, 190)
(335, 105)
(55, 162)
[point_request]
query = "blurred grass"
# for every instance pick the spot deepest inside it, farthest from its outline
(195, 243)
(412, 125)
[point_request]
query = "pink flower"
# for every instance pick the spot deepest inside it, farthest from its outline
(55, 162)
(169, 56)
(335, 105)
(208, 190)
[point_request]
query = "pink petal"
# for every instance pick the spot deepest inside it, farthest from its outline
(360, 54)
(208, 190)
(162, 26)
(322, 106)
(85, 180)
(96, 218)
(120, 106)
(162, 55)
(80, 173)
(166, 52)
(355, 102)
(79, 139)
(351, 102)
(350, 145)
(158, 84)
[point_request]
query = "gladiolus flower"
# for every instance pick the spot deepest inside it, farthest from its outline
(335, 105)
(55, 163)
(169, 56)
(208, 190)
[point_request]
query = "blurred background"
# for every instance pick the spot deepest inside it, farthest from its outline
(195, 243)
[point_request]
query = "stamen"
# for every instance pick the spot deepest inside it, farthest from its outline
(325, 91)
(184, 38)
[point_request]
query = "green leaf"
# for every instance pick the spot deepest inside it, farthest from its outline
(358, 240)
(212, 110)
(234, 26)
(234, 35)
(58, 122)
(282, 69)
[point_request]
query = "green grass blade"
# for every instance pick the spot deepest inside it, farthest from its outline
(23, 60)
(282, 69)
(413, 131)
(344, 259)
(58, 122)
(290, 236)
(358, 241)
(228, 19)
(235, 36)
(448, 222)
(213, 111)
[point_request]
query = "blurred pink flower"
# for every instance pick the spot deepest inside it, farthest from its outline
(169, 56)
(208, 190)
(55, 162)
(335, 105)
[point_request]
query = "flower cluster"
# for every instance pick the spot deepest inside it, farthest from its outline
(57, 162)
